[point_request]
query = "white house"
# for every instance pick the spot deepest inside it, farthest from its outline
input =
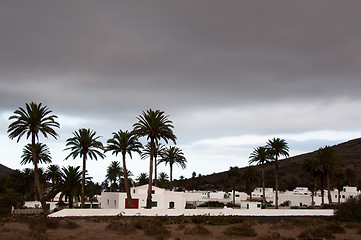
(257, 194)
(161, 199)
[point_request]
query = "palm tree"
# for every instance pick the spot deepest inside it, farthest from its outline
(233, 177)
(155, 125)
(277, 147)
(113, 171)
(124, 142)
(173, 155)
(43, 155)
(251, 176)
(313, 166)
(142, 179)
(70, 184)
(159, 148)
(350, 176)
(261, 156)
(330, 163)
(30, 121)
(84, 144)
(53, 174)
(163, 179)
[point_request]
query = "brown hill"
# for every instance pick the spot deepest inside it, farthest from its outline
(5, 170)
(290, 169)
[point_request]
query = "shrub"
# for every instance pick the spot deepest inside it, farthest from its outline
(349, 210)
(119, 227)
(317, 232)
(274, 236)
(197, 230)
(69, 224)
(244, 230)
(307, 222)
(212, 204)
(334, 228)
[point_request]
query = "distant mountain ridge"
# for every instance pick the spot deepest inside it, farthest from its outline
(5, 170)
(291, 168)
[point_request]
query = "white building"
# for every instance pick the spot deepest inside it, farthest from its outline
(257, 194)
(161, 199)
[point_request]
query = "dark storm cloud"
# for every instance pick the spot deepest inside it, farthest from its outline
(202, 52)
(218, 68)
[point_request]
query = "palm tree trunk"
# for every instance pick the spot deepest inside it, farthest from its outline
(328, 188)
(314, 191)
(276, 183)
(339, 196)
(82, 203)
(155, 170)
(263, 189)
(171, 175)
(36, 176)
(149, 194)
(322, 190)
(126, 183)
(234, 194)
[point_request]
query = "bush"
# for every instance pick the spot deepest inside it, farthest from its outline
(212, 204)
(69, 224)
(317, 232)
(274, 236)
(334, 228)
(244, 230)
(197, 230)
(349, 210)
(119, 227)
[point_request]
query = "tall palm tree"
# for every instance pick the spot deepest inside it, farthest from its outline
(31, 121)
(84, 144)
(313, 166)
(277, 147)
(330, 163)
(43, 155)
(159, 148)
(251, 177)
(154, 125)
(113, 172)
(124, 142)
(173, 155)
(142, 179)
(233, 177)
(70, 184)
(261, 156)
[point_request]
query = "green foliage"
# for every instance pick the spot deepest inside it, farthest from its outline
(9, 198)
(349, 210)
(69, 224)
(212, 204)
(316, 232)
(244, 230)
(197, 230)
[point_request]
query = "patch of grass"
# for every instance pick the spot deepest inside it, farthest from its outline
(352, 225)
(274, 236)
(334, 228)
(181, 226)
(244, 230)
(69, 224)
(121, 228)
(197, 230)
(283, 225)
(317, 232)
(217, 220)
(307, 222)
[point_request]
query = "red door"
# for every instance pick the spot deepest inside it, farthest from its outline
(135, 203)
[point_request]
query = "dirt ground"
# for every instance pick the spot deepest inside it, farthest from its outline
(93, 229)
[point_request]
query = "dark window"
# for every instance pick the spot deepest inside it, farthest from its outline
(171, 204)
(154, 204)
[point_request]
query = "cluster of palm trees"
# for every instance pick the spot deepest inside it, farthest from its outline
(323, 165)
(262, 155)
(154, 125)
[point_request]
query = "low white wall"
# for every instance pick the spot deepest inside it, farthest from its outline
(192, 212)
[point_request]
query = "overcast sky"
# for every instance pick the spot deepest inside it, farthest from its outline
(230, 74)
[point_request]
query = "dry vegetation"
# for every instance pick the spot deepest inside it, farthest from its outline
(203, 227)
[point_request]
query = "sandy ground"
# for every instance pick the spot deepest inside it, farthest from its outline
(93, 229)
